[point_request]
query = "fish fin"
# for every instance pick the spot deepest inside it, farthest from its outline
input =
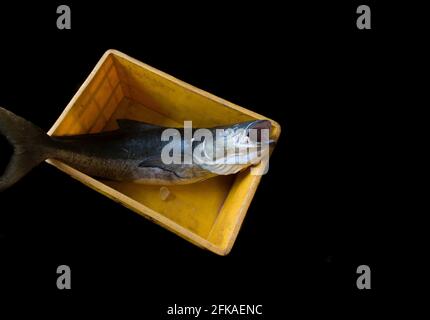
(156, 163)
(30, 144)
(135, 125)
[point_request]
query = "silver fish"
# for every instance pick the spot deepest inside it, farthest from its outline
(130, 153)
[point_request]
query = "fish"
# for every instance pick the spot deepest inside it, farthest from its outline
(131, 153)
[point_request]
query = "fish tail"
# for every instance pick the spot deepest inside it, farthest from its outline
(30, 143)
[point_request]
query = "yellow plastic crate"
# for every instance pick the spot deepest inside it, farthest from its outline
(209, 213)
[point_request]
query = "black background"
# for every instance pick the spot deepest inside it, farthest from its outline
(323, 209)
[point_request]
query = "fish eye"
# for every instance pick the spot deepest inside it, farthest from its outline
(6, 152)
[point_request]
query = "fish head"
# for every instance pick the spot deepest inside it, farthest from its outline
(236, 147)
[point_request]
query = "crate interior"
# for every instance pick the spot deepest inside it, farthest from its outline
(122, 89)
